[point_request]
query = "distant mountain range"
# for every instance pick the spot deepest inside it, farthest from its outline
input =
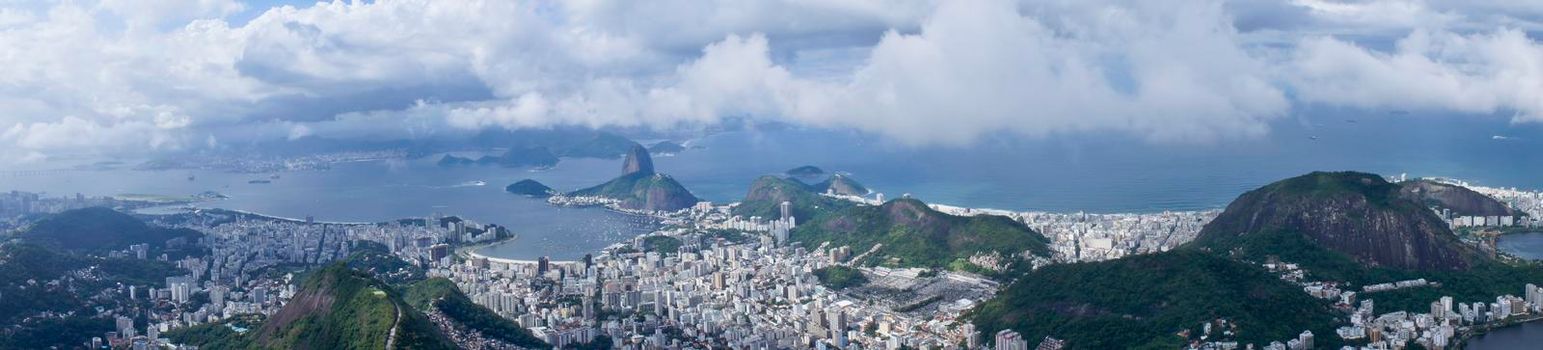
(546, 152)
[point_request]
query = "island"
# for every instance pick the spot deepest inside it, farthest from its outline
(640, 188)
(529, 188)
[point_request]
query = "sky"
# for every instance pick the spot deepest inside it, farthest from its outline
(137, 77)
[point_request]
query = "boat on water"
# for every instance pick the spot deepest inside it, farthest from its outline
(259, 181)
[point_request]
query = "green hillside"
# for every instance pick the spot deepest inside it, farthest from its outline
(643, 190)
(26, 273)
(441, 294)
(1144, 301)
(914, 235)
(768, 192)
(98, 229)
(339, 308)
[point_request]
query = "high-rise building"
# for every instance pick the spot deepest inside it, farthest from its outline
(438, 252)
(1007, 339)
(259, 295)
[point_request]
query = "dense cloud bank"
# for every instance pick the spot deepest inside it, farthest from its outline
(141, 76)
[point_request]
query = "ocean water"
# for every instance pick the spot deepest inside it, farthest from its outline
(1064, 173)
(1526, 245)
(1523, 336)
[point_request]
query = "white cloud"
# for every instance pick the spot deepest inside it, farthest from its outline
(1166, 72)
(169, 74)
(1479, 73)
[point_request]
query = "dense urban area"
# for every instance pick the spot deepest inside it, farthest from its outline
(709, 279)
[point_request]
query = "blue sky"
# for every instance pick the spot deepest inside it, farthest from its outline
(143, 76)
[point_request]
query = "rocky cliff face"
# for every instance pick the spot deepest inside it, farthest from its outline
(637, 161)
(660, 192)
(1460, 200)
(1356, 214)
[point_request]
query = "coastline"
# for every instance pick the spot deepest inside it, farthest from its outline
(280, 218)
(472, 252)
(1471, 332)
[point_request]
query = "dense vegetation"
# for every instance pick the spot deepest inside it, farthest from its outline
(840, 277)
(662, 244)
(914, 235)
(376, 259)
(1481, 282)
(441, 294)
(1144, 301)
(35, 279)
(98, 229)
(61, 333)
(732, 236)
(528, 187)
(48, 269)
(217, 335)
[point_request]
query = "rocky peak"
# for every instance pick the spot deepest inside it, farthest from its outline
(637, 161)
(1356, 214)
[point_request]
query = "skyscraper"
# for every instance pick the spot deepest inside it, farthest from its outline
(1007, 339)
